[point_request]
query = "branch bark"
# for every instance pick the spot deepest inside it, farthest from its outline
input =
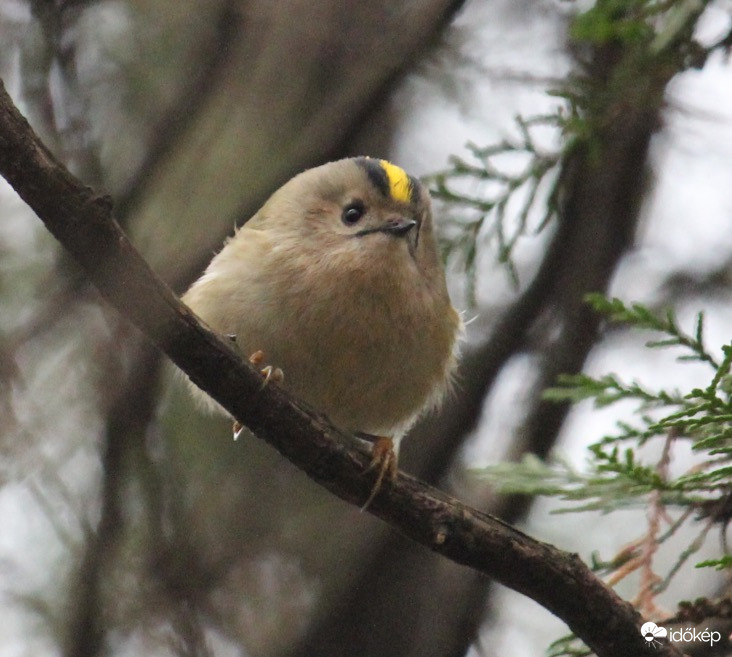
(82, 221)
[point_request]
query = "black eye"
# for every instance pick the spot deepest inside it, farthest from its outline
(353, 212)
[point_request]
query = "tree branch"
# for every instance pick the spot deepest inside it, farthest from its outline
(82, 221)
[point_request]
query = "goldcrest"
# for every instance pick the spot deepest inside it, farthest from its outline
(338, 282)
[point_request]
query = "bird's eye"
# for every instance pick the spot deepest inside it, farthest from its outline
(352, 213)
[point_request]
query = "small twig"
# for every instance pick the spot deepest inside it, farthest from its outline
(690, 550)
(647, 547)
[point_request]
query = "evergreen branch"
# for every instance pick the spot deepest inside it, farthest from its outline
(607, 390)
(617, 482)
(640, 317)
(723, 563)
(497, 187)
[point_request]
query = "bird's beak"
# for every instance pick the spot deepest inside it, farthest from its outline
(406, 228)
(398, 227)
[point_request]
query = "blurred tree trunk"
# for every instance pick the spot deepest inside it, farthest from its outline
(295, 84)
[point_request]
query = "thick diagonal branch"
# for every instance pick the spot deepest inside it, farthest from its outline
(83, 223)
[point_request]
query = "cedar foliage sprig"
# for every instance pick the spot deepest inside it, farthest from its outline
(617, 476)
(488, 199)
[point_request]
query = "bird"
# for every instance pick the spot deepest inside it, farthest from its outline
(337, 282)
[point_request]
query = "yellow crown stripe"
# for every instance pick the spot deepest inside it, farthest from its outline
(400, 187)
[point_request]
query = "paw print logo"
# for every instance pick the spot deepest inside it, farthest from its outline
(652, 633)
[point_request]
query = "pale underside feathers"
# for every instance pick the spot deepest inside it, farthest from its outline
(338, 281)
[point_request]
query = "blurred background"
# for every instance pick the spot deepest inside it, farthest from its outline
(131, 523)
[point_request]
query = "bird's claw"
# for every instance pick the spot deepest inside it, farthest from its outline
(273, 374)
(384, 460)
(269, 373)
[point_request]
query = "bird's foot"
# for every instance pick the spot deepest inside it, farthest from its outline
(269, 373)
(384, 462)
